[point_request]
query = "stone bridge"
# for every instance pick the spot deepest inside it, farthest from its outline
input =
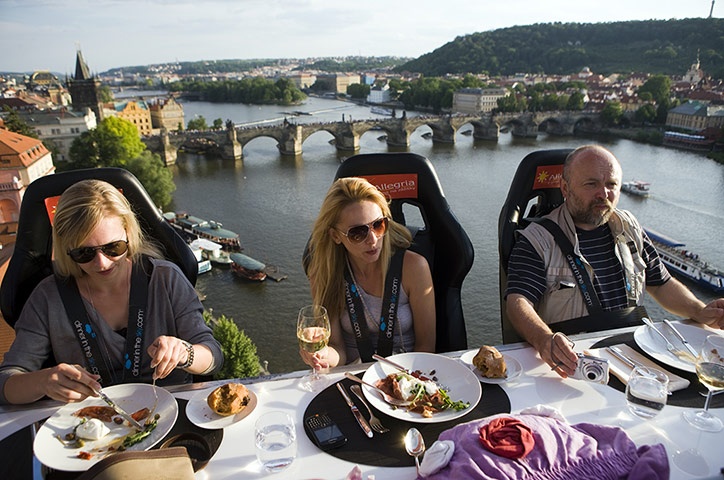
(290, 136)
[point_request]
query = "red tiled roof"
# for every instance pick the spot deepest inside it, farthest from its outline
(19, 149)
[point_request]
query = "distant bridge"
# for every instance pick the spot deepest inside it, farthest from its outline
(290, 136)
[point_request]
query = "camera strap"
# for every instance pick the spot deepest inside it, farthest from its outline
(585, 286)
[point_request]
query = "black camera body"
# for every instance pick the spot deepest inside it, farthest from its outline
(591, 369)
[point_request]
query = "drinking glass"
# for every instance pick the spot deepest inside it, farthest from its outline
(710, 370)
(313, 333)
(646, 391)
(275, 438)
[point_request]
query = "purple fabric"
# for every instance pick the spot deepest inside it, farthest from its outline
(562, 451)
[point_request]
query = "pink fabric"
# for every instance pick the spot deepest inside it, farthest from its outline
(507, 437)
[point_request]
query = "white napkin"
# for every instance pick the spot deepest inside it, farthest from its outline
(622, 370)
(437, 457)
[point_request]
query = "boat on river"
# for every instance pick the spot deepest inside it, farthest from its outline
(382, 111)
(204, 264)
(636, 187)
(686, 263)
(191, 228)
(211, 251)
(247, 267)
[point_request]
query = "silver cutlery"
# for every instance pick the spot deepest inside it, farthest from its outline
(618, 353)
(375, 422)
(399, 367)
(681, 338)
(669, 346)
(126, 416)
(415, 446)
(355, 411)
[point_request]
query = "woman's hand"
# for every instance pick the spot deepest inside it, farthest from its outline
(166, 354)
(318, 360)
(63, 382)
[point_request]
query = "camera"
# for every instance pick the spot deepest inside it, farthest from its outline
(591, 369)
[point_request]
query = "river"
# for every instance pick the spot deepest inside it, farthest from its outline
(272, 202)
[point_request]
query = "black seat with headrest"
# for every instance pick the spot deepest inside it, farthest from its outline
(418, 202)
(32, 258)
(534, 192)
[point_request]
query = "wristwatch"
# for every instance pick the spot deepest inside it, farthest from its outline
(189, 355)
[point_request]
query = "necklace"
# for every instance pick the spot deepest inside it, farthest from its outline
(368, 314)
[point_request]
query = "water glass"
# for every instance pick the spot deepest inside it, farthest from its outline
(275, 440)
(646, 391)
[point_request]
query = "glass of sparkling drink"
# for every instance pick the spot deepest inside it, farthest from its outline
(646, 391)
(275, 440)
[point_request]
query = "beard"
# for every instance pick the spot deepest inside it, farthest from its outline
(591, 213)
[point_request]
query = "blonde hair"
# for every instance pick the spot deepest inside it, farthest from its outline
(327, 259)
(80, 210)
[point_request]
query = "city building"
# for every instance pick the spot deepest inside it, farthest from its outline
(337, 82)
(60, 127)
(379, 94)
(85, 89)
(22, 160)
(695, 116)
(302, 80)
(476, 100)
(134, 111)
(166, 113)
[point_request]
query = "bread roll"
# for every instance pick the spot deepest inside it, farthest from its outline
(229, 399)
(490, 362)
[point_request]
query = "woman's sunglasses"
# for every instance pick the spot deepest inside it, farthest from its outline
(358, 233)
(86, 254)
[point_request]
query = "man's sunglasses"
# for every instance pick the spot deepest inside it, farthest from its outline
(358, 234)
(86, 254)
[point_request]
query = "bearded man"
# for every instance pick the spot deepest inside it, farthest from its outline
(587, 257)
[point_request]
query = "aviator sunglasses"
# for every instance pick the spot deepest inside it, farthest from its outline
(86, 254)
(358, 233)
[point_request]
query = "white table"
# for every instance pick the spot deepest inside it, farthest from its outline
(692, 453)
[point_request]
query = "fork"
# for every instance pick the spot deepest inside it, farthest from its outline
(374, 421)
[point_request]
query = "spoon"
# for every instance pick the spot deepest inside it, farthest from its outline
(387, 398)
(415, 445)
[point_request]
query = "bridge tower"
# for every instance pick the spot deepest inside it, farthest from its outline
(291, 143)
(231, 149)
(168, 152)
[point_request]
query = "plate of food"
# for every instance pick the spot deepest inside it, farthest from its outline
(450, 387)
(80, 434)
(221, 406)
(651, 343)
(491, 366)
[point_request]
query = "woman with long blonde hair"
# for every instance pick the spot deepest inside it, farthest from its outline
(358, 259)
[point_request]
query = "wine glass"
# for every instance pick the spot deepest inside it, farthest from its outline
(313, 333)
(710, 370)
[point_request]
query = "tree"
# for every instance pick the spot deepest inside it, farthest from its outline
(240, 358)
(218, 123)
(198, 123)
(612, 113)
(659, 86)
(576, 101)
(115, 143)
(14, 123)
(154, 176)
(645, 114)
(111, 144)
(358, 90)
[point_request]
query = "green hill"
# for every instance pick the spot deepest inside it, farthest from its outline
(653, 46)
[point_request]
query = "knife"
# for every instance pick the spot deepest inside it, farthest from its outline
(681, 337)
(134, 423)
(616, 352)
(355, 411)
(408, 371)
(669, 346)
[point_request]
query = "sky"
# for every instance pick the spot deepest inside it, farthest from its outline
(45, 34)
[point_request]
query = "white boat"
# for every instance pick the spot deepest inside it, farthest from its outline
(636, 187)
(686, 263)
(382, 111)
(204, 264)
(191, 227)
(211, 251)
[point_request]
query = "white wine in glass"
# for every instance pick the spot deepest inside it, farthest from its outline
(710, 370)
(313, 332)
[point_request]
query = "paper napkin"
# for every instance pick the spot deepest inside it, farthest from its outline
(621, 370)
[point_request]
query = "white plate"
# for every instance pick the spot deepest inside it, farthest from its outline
(129, 396)
(201, 415)
(459, 382)
(513, 367)
(651, 343)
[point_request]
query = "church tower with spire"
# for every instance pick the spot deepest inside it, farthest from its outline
(85, 89)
